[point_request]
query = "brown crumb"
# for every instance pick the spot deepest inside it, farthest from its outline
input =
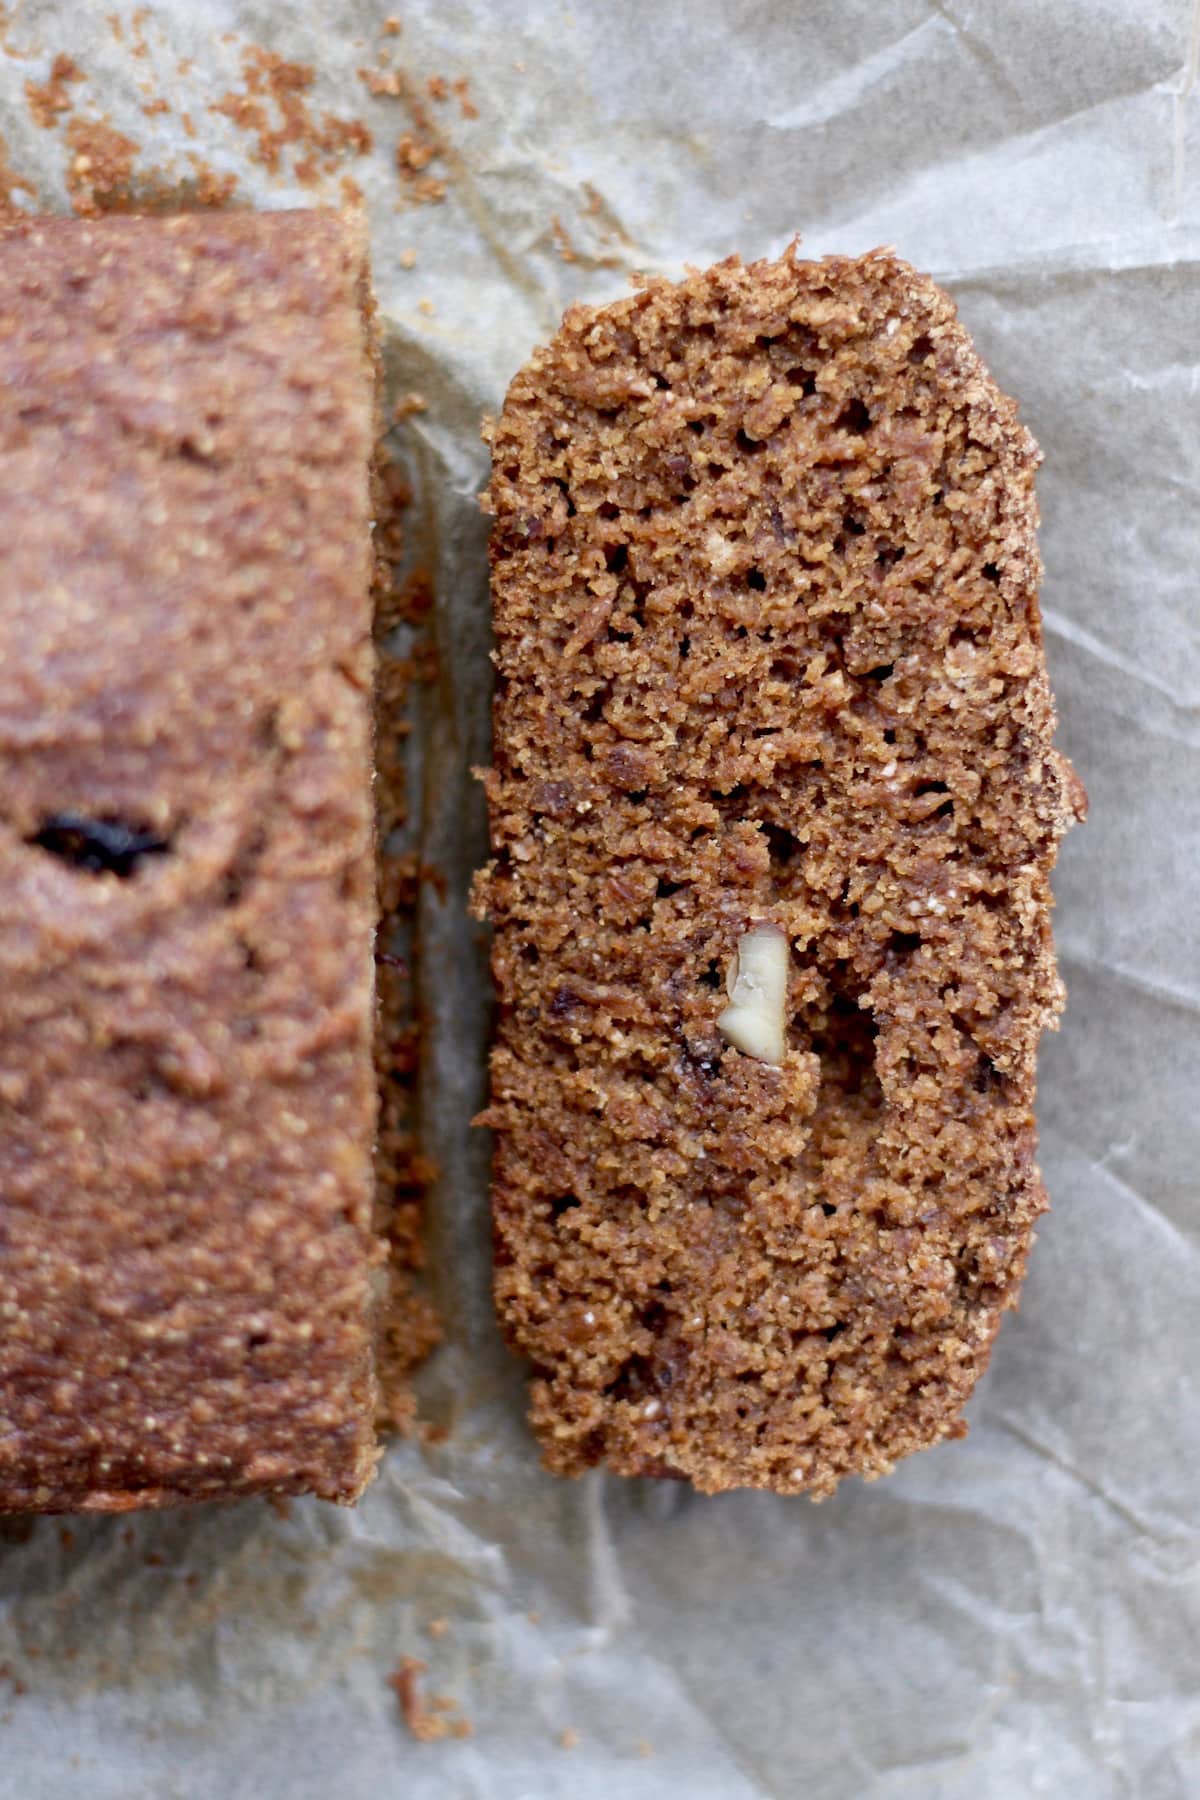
(211, 189)
(280, 1505)
(66, 1537)
(568, 1738)
(437, 1628)
(427, 1722)
(406, 1682)
(534, 1618)
(48, 99)
(138, 26)
(425, 191)
(414, 154)
(14, 1681)
(273, 106)
(645, 1747)
(101, 166)
(418, 148)
(391, 26)
(438, 88)
(382, 84)
(468, 108)
(154, 1559)
(407, 405)
(427, 307)
(155, 108)
(408, 259)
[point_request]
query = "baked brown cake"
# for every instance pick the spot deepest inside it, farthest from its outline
(774, 806)
(187, 1099)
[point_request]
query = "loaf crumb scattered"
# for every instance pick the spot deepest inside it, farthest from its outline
(431, 1721)
(50, 99)
(274, 107)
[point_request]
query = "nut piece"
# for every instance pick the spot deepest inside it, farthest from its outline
(753, 1021)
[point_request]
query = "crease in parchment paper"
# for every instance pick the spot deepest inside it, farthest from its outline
(1008, 1617)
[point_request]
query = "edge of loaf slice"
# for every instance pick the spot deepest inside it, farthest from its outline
(774, 805)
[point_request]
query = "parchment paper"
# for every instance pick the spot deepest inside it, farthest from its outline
(1017, 1615)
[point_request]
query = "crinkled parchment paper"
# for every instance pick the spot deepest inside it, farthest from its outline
(1017, 1615)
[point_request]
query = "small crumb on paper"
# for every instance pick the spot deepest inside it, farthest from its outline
(568, 1738)
(47, 99)
(467, 107)
(273, 107)
(100, 165)
(381, 84)
(428, 1722)
(423, 190)
(437, 1628)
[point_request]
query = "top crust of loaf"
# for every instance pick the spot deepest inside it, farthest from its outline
(187, 1102)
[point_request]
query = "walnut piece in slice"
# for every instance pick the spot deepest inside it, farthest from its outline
(753, 1021)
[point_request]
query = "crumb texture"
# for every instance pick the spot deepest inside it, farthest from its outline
(187, 1100)
(768, 654)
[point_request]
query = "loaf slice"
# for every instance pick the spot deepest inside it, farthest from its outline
(774, 807)
(187, 888)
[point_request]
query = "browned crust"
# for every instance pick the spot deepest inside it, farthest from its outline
(187, 1102)
(768, 647)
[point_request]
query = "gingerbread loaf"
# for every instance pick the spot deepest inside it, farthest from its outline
(187, 1097)
(774, 807)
